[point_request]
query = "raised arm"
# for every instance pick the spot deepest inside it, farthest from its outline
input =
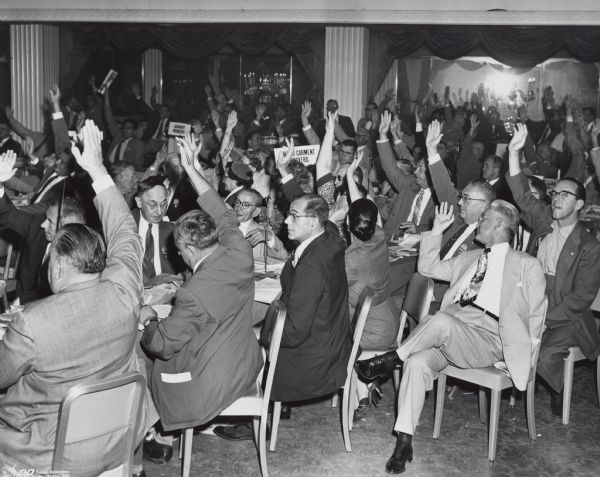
(395, 176)
(62, 143)
(309, 133)
(440, 179)
(429, 263)
(109, 117)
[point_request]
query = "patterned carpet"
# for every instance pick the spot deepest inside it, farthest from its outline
(310, 443)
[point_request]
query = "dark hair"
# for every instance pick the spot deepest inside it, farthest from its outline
(196, 229)
(591, 110)
(150, 183)
(70, 211)
(579, 187)
(362, 219)
(248, 137)
(350, 142)
(316, 205)
(540, 187)
(255, 162)
(130, 121)
(82, 246)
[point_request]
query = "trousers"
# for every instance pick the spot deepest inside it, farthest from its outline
(464, 337)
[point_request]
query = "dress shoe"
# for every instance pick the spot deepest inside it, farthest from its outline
(402, 452)
(286, 412)
(157, 452)
(139, 474)
(381, 365)
(556, 402)
(238, 432)
(363, 408)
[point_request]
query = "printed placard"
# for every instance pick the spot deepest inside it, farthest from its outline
(110, 77)
(307, 155)
(179, 129)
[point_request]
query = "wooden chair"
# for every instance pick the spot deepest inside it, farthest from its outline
(496, 381)
(255, 404)
(360, 317)
(93, 410)
(419, 294)
(575, 355)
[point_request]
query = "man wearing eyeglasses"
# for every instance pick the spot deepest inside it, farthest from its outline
(160, 256)
(570, 258)
(247, 208)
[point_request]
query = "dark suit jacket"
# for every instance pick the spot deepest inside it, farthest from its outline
(407, 189)
(577, 272)
(316, 340)
(502, 191)
(184, 199)
(170, 262)
(208, 334)
(345, 123)
(30, 285)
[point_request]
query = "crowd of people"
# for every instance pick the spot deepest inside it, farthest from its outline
(111, 215)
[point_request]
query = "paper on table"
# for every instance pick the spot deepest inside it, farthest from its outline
(266, 290)
(272, 266)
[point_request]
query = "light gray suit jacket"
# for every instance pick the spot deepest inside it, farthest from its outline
(522, 299)
(278, 250)
(84, 333)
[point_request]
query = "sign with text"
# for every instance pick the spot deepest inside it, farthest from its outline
(307, 155)
(179, 129)
(110, 77)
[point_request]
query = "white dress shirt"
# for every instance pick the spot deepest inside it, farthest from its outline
(459, 241)
(415, 215)
(123, 144)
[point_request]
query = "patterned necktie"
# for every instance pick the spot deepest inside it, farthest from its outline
(148, 263)
(417, 209)
(452, 240)
(470, 293)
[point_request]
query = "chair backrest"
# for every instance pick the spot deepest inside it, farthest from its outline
(363, 306)
(419, 294)
(537, 341)
(93, 410)
(279, 309)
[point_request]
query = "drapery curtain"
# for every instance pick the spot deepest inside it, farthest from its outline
(192, 41)
(516, 46)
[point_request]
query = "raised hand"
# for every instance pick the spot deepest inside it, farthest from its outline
(444, 216)
(306, 110)
(7, 162)
(595, 131)
(187, 146)
(331, 120)
(354, 165)
(232, 120)
(384, 125)
(135, 89)
(434, 136)
(80, 120)
(90, 160)
(518, 140)
(8, 110)
(284, 159)
(214, 116)
(474, 123)
(55, 94)
(260, 109)
(207, 90)
(28, 147)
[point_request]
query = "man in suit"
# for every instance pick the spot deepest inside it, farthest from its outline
(84, 332)
(345, 122)
(476, 326)
(125, 146)
(316, 341)
(208, 355)
(263, 241)
(160, 256)
(493, 172)
(570, 258)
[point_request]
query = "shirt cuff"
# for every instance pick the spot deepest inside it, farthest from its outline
(569, 118)
(285, 179)
(58, 115)
(306, 128)
(102, 183)
(397, 141)
(595, 148)
(1, 191)
(435, 158)
(381, 141)
(34, 160)
(419, 127)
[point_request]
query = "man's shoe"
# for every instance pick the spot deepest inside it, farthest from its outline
(139, 474)
(556, 402)
(156, 452)
(361, 411)
(286, 412)
(381, 365)
(236, 432)
(402, 452)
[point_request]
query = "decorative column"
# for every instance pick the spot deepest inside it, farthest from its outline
(152, 73)
(34, 65)
(346, 63)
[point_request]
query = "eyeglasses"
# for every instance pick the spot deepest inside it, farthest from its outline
(563, 194)
(244, 205)
(295, 216)
(466, 198)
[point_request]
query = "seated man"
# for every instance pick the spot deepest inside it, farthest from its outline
(160, 256)
(316, 341)
(35, 231)
(570, 258)
(476, 326)
(493, 172)
(83, 333)
(207, 353)
(247, 207)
